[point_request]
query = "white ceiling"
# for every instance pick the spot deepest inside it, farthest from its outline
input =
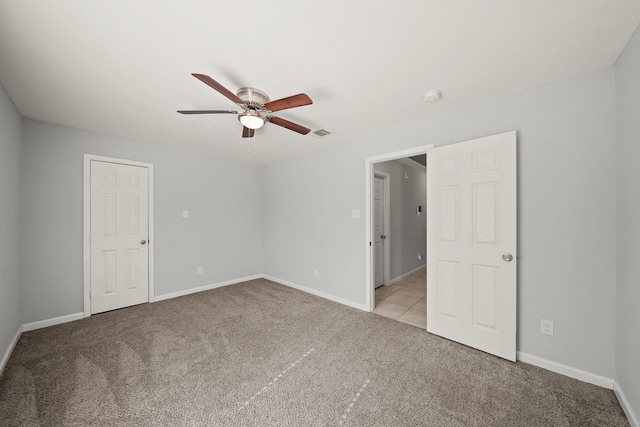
(122, 67)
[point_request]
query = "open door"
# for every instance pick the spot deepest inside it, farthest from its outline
(471, 243)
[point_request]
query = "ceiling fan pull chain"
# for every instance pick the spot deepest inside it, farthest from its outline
(253, 141)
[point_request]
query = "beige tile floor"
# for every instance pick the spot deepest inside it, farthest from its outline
(405, 301)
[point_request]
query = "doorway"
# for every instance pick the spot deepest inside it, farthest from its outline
(399, 243)
(118, 233)
(471, 218)
(370, 172)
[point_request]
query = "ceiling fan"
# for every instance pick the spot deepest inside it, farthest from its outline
(256, 107)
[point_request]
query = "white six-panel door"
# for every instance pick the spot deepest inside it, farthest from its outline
(378, 221)
(119, 235)
(471, 243)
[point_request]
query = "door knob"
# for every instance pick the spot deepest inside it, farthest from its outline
(383, 236)
(142, 242)
(507, 257)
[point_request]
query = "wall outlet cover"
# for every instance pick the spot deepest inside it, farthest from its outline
(546, 327)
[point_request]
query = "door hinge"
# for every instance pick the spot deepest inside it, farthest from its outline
(369, 243)
(89, 236)
(89, 293)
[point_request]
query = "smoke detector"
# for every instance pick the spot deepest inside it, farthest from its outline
(432, 96)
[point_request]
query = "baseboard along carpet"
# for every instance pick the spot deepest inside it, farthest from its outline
(261, 354)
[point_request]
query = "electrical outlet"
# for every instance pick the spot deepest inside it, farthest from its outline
(199, 270)
(546, 327)
(316, 273)
(420, 257)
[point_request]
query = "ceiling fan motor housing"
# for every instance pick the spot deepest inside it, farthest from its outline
(252, 96)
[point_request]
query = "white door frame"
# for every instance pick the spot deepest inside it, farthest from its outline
(386, 253)
(86, 244)
(368, 179)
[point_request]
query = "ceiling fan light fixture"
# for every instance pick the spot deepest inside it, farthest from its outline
(251, 119)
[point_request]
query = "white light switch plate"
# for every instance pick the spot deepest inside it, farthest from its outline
(355, 213)
(185, 214)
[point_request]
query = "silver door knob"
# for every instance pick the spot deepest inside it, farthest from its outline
(142, 242)
(507, 257)
(383, 236)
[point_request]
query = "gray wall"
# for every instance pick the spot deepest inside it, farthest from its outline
(223, 233)
(628, 211)
(10, 136)
(408, 234)
(567, 271)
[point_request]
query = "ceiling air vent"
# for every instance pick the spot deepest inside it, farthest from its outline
(320, 133)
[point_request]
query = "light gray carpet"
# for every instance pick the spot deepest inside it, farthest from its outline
(261, 354)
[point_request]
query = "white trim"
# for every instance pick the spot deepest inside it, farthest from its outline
(50, 322)
(568, 371)
(368, 173)
(626, 406)
(205, 287)
(152, 236)
(400, 154)
(7, 354)
(86, 247)
(317, 293)
(386, 255)
(409, 273)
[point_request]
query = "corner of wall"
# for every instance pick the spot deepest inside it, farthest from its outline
(10, 219)
(627, 132)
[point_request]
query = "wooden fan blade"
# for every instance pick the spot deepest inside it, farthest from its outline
(289, 125)
(207, 112)
(248, 133)
(217, 86)
(289, 102)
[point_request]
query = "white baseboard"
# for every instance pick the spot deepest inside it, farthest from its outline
(7, 353)
(407, 274)
(626, 406)
(205, 288)
(568, 371)
(317, 293)
(50, 322)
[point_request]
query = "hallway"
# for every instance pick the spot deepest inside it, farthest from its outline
(405, 300)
